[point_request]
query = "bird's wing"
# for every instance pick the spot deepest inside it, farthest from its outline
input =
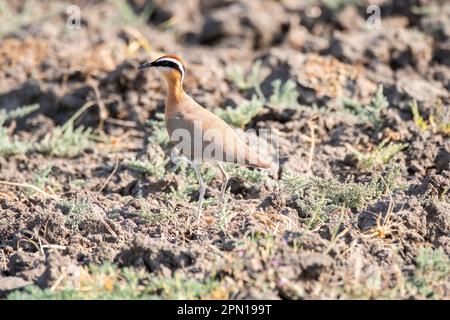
(202, 135)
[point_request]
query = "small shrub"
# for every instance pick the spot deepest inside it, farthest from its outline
(242, 114)
(159, 134)
(371, 113)
(285, 95)
(77, 210)
(431, 274)
(249, 176)
(129, 16)
(438, 121)
(378, 157)
(107, 282)
(149, 216)
(41, 179)
(12, 145)
(418, 119)
(317, 196)
(155, 168)
(225, 214)
(66, 141)
(236, 75)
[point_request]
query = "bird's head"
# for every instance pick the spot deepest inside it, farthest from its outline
(170, 66)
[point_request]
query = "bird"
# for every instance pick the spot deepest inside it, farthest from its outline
(201, 136)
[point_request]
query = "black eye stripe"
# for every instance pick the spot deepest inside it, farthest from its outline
(168, 64)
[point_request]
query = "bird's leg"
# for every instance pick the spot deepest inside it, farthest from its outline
(224, 185)
(202, 188)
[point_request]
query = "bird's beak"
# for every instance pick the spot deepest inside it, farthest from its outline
(145, 65)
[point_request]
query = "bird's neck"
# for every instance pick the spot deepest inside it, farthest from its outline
(175, 90)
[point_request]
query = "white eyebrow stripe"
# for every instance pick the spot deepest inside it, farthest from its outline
(176, 62)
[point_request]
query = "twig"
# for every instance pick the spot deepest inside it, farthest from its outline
(40, 246)
(58, 281)
(335, 240)
(110, 230)
(102, 110)
(123, 123)
(110, 176)
(54, 246)
(313, 145)
(27, 185)
(77, 114)
(391, 202)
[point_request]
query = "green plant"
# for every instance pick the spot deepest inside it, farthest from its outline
(431, 273)
(337, 5)
(155, 167)
(8, 145)
(379, 156)
(225, 214)
(40, 180)
(76, 211)
(249, 176)
(13, 21)
(236, 75)
(317, 197)
(154, 216)
(189, 184)
(438, 121)
(285, 95)
(176, 288)
(371, 113)
(418, 119)
(67, 141)
(107, 282)
(129, 16)
(242, 114)
(159, 133)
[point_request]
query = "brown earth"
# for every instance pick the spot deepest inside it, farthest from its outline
(267, 249)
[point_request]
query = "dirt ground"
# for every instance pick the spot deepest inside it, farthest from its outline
(359, 209)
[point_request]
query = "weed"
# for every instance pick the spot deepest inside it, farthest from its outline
(225, 214)
(150, 216)
(337, 5)
(242, 114)
(236, 75)
(128, 15)
(8, 145)
(317, 197)
(12, 21)
(18, 112)
(284, 96)
(429, 280)
(379, 156)
(418, 119)
(155, 168)
(110, 283)
(371, 113)
(40, 180)
(76, 211)
(431, 273)
(445, 191)
(425, 10)
(159, 134)
(438, 121)
(249, 176)
(66, 141)
(78, 183)
(176, 288)
(189, 184)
